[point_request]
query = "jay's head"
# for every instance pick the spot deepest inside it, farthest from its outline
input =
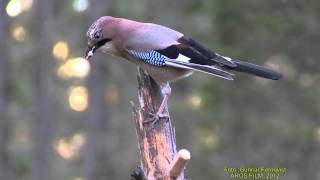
(100, 35)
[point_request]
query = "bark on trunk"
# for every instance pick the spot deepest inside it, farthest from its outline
(156, 142)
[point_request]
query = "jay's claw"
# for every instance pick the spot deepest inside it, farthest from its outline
(154, 118)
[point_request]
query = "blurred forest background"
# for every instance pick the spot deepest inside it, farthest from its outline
(64, 119)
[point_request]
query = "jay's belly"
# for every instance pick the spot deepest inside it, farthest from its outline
(166, 74)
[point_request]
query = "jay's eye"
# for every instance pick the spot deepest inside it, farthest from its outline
(97, 35)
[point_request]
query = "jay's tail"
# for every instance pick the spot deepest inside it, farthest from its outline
(257, 70)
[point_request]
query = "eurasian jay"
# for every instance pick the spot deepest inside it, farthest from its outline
(167, 55)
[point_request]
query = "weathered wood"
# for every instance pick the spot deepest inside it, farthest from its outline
(156, 142)
(179, 163)
(138, 174)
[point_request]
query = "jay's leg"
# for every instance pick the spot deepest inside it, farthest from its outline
(166, 91)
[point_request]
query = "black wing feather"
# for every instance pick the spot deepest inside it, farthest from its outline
(203, 59)
(173, 52)
(197, 53)
(211, 56)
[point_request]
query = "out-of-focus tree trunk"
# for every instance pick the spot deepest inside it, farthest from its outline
(42, 132)
(4, 122)
(95, 155)
(96, 163)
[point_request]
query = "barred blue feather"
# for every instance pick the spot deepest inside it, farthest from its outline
(151, 57)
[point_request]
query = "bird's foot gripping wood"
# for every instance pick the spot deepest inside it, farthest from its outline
(154, 118)
(166, 91)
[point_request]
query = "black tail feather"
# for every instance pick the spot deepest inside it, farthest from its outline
(257, 70)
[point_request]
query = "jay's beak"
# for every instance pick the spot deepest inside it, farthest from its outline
(89, 52)
(92, 48)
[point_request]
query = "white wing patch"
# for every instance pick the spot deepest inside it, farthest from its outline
(183, 58)
(227, 58)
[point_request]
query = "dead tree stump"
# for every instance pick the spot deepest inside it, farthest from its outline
(156, 142)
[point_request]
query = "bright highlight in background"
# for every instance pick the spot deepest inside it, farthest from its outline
(195, 101)
(80, 67)
(61, 50)
(112, 94)
(80, 5)
(26, 4)
(78, 98)
(15, 7)
(19, 33)
(207, 138)
(75, 67)
(68, 148)
(317, 134)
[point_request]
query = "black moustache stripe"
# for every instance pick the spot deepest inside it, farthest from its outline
(102, 42)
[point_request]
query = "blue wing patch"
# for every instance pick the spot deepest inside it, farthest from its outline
(151, 57)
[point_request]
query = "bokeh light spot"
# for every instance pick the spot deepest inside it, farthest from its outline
(26, 4)
(208, 138)
(80, 5)
(317, 135)
(63, 149)
(14, 8)
(195, 101)
(61, 50)
(69, 148)
(78, 98)
(23, 135)
(74, 67)
(112, 94)
(81, 67)
(19, 33)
